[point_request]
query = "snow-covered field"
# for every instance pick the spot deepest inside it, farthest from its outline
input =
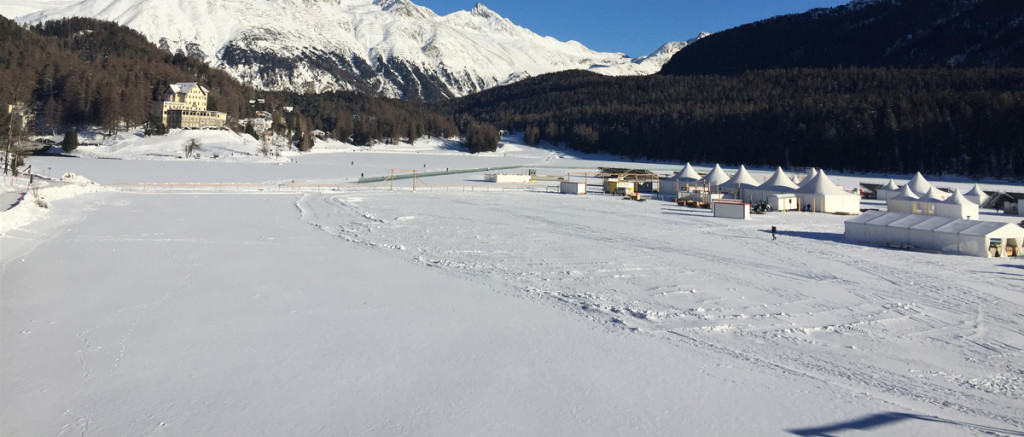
(450, 313)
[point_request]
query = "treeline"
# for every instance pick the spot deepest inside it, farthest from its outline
(885, 33)
(80, 71)
(964, 121)
(362, 118)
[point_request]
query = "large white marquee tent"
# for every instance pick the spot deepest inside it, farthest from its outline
(934, 233)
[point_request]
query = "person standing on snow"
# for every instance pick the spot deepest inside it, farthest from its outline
(773, 233)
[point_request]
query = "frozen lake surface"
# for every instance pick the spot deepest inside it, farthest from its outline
(529, 313)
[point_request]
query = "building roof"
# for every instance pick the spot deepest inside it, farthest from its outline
(716, 176)
(742, 177)
(615, 172)
(986, 228)
(910, 221)
(868, 216)
(891, 186)
(945, 225)
(885, 218)
(919, 185)
(931, 223)
(185, 87)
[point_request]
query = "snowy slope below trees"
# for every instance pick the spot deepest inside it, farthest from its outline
(393, 47)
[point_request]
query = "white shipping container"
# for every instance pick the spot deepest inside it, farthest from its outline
(507, 178)
(567, 187)
(735, 209)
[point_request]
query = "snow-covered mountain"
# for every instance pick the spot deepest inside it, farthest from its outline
(392, 47)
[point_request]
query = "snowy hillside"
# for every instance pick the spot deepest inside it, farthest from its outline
(17, 8)
(393, 47)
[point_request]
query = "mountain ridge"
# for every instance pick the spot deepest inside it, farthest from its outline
(395, 48)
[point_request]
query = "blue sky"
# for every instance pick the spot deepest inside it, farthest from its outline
(636, 27)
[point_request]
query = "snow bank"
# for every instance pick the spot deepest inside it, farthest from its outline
(222, 145)
(36, 203)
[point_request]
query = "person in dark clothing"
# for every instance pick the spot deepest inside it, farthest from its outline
(773, 233)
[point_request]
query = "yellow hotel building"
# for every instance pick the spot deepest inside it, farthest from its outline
(184, 106)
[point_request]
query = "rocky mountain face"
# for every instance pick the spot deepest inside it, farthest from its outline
(394, 48)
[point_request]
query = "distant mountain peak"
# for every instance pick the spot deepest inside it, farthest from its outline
(405, 8)
(395, 48)
(481, 10)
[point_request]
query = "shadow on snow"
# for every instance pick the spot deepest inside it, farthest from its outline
(885, 419)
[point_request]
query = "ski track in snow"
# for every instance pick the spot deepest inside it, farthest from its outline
(920, 331)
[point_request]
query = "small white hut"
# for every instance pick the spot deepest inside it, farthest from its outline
(571, 187)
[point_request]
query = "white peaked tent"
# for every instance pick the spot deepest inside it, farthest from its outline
(934, 195)
(715, 177)
(931, 204)
(810, 176)
(919, 185)
(742, 177)
(888, 191)
(977, 195)
(904, 201)
(957, 206)
(942, 234)
(779, 179)
(679, 180)
(688, 173)
(820, 194)
(740, 182)
(779, 183)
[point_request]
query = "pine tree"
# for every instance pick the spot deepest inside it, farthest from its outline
(70, 142)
